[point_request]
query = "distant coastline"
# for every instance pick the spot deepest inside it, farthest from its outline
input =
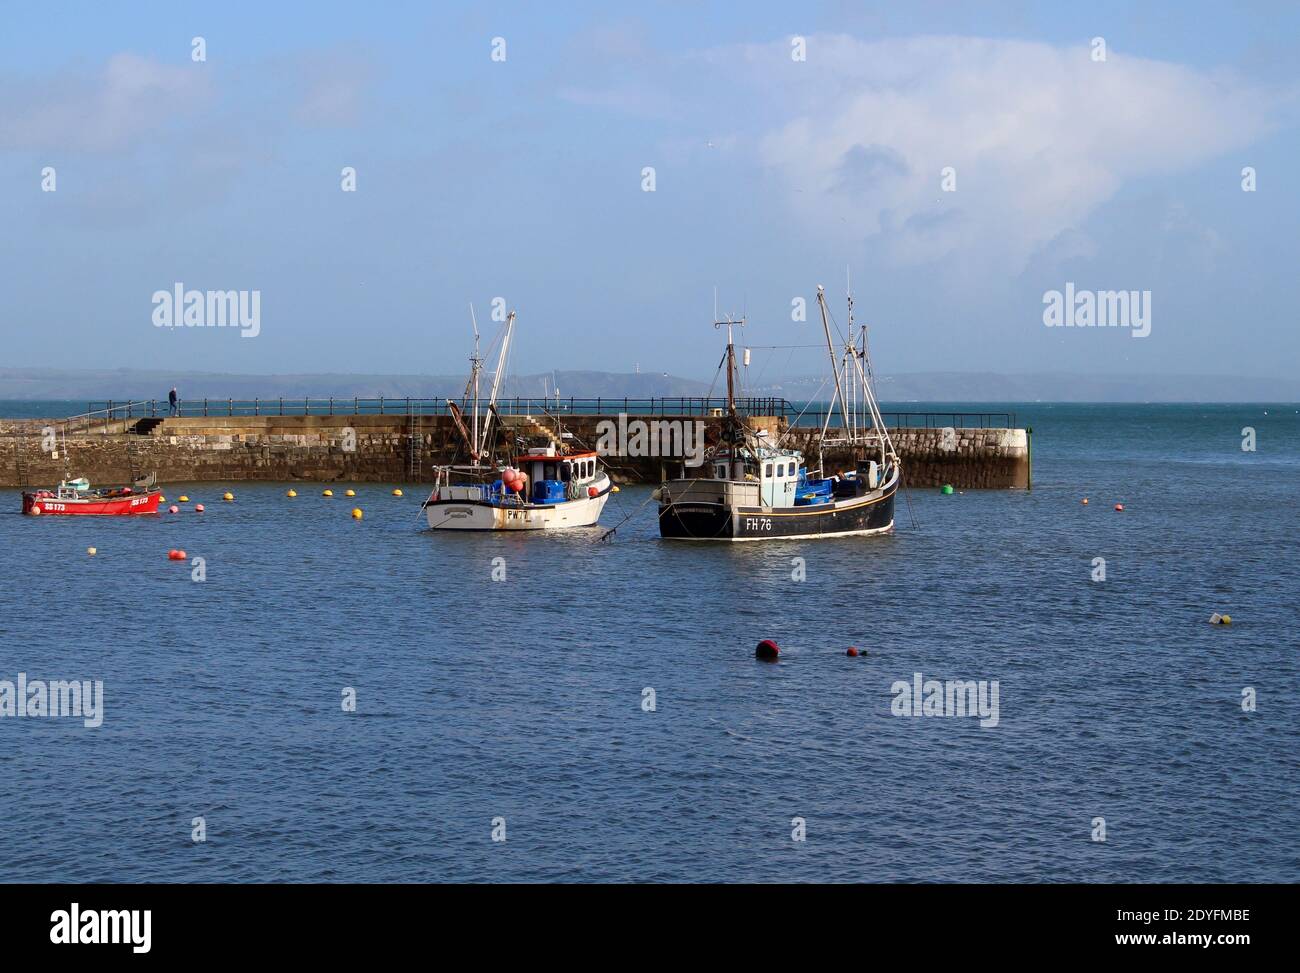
(84, 385)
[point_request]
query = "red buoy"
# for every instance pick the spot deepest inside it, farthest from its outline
(851, 650)
(176, 555)
(592, 492)
(767, 650)
(1119, 506)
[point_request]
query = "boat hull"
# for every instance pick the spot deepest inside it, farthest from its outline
(480, 515)
(130, 505)
(695, 521)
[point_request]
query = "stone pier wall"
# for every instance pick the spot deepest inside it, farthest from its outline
(372, 448)
(968, 459)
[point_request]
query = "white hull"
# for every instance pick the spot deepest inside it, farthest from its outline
(476, 515)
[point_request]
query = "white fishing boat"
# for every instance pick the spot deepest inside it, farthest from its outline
(543, 490)
(546, 487)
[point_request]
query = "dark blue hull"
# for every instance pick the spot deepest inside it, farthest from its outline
(696, 521)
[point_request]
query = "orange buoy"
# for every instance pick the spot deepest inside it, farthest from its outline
(1085, 501)
(175, 555)
(592, 492)
(767, 650)
(851, 650)
(1119, 506)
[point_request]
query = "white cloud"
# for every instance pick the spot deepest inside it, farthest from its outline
(331, 88)
(130, 98)
(857, 135)
(1040, 136)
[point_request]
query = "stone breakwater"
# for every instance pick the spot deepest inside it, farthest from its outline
(386, 448)
(968, 459)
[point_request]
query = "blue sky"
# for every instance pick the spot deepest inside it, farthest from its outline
(522, 179)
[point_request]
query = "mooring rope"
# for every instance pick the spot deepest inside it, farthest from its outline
(610, 533)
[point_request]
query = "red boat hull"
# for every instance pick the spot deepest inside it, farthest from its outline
(128, 505)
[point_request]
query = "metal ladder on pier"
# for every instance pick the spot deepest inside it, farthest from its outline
(414, 448)
(132, 464)
(20, 461)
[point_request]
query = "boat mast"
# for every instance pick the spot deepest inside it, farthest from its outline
(733, 421)
(865, 373)
(476, 365)
(835, 370)
(731, 372)
(500, 372)
(849, 351)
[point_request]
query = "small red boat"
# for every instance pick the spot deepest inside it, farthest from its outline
(76, 498)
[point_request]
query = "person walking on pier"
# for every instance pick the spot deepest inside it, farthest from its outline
(173, 402)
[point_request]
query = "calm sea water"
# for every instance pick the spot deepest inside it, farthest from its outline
(522, 699)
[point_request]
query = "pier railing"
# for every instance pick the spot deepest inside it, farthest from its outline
(387, 406)
(804, 418)
(802, 414)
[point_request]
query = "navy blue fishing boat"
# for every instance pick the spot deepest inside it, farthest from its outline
(750, 489)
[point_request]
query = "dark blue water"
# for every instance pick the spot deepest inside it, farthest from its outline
(521, 699)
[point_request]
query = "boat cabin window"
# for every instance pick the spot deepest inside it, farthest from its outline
(565, 471)
(768, 471)
(721, 471)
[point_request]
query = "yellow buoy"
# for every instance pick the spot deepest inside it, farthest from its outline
(397, 493)
(292, 493)
(184, 499)
(228, 496)
(327, 493)
(161, 498)
(350, 493)
(356, 513)
(91, 551)
(613, 489)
